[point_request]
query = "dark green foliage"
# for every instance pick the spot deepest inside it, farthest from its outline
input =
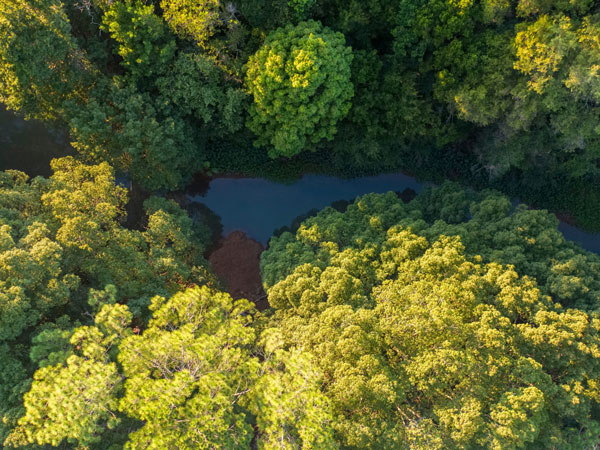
(137, 134)
(195, 86)
(41, 65)
(455, 321)
(502, 89)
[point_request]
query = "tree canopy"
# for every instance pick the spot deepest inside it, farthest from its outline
(458, 320)
(300, 81)
(430, 326)
(63, 236)
(190, 380)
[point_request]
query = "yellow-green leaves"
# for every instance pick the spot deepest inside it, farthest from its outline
(291, 412)
(187, 371)
(77, 399)
(198, 20)
(432, 340)
(541, 48)
(300, 80)
(59, 239)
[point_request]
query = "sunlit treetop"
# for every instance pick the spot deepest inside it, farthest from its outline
(429, 336)
(300, 82)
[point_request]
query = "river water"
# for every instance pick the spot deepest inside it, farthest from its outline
(255, 206)
(259, 207)
(29, 146)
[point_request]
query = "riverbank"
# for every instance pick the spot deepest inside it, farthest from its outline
(236, 262)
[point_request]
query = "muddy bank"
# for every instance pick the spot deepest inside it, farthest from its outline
(236, 262)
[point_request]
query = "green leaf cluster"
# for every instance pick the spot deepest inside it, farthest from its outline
(300, 82)
(430, 327)
(190, 380)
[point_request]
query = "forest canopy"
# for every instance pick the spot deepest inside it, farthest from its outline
(162, 90)
(457, 320)
(454, 321)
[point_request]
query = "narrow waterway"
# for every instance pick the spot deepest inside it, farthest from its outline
(29, 146)
(259, 207)
(255, 206)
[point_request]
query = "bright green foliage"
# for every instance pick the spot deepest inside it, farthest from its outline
(198, 20)
(527, 239)
(41, 65)
(300, 80)
(428, 341)
(144, 42)
(190, 380)
(290, 410)
(559, 58)
(33, 278)
(76, 399)
(186, 372)
(33, 281)
(62, 236)
(88, 208)
(540, 49)
(195, 86)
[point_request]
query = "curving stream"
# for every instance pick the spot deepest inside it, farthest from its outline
(256, 206)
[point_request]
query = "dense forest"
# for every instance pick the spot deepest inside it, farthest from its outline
(494, 93)
(457, 319)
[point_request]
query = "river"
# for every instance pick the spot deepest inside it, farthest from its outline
(29, 146)
(259, 207)
(256, 206)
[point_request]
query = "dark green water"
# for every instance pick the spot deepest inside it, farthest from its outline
(259, 207)
(256, 206)
(29, 146)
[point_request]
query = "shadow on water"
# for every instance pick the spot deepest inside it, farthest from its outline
(29, 146)
(261, 208)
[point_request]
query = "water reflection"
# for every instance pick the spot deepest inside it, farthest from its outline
(260, 207)
(29, 146)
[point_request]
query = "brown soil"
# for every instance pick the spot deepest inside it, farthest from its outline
(565, 217)
(236, 262)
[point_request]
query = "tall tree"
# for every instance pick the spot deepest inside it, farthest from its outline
(300, 81)
(428, 337)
